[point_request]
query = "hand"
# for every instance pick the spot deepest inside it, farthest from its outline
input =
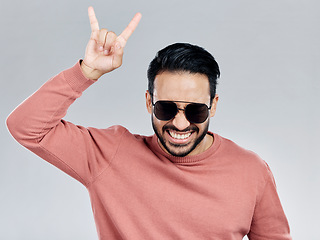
(105, 49)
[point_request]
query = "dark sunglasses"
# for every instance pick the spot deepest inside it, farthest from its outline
(194, 112)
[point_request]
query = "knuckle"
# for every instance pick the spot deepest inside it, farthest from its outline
(111, 36)
(103, 30)
(112, 33)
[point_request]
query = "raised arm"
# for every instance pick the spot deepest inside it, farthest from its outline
(37, 122)
(104, 51)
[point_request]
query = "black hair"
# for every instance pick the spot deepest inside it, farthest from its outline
(184, 57)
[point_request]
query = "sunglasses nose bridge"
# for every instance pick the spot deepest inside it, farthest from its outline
(183, 114)
(180, 109)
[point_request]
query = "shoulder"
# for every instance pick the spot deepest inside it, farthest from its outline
(243, 158)
(246, 165)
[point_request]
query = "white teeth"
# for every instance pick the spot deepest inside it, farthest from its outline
(179, 136)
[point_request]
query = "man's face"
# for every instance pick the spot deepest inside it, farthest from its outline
(178, 136)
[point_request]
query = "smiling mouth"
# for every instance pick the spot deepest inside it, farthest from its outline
(178, 136)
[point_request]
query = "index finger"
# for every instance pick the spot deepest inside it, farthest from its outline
(93, 20)
(131, 27)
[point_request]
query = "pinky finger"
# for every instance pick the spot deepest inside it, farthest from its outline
(127, 32)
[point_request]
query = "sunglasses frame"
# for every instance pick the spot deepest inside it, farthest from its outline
(182, 109)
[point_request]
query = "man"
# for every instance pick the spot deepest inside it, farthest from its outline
(184, 182)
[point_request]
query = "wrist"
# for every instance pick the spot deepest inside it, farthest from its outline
(89, 72)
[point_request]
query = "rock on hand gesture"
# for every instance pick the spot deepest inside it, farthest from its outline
(104, 50)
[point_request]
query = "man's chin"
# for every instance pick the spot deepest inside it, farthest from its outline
(179, 150)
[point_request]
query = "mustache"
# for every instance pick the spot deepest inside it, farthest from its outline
(171, 127)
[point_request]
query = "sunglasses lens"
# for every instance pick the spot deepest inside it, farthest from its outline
(196, 112)
(165, 110)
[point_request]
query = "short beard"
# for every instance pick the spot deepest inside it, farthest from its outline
(195, 144)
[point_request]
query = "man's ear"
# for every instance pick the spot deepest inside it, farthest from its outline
(214, 105)
(148, 102)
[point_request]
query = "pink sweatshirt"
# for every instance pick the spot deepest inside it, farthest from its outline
(140, 192)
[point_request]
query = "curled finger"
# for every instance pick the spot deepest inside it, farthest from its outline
(109, 42)
(102, 39)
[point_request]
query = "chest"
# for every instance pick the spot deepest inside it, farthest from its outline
(178, 202)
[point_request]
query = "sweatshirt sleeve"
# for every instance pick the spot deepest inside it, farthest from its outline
(37, 125)
(269, 220)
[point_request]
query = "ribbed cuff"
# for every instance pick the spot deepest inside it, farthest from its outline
(76, 79)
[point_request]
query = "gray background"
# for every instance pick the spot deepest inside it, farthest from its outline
(268, 52)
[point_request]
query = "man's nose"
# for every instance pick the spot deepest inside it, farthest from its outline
(180, 121)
